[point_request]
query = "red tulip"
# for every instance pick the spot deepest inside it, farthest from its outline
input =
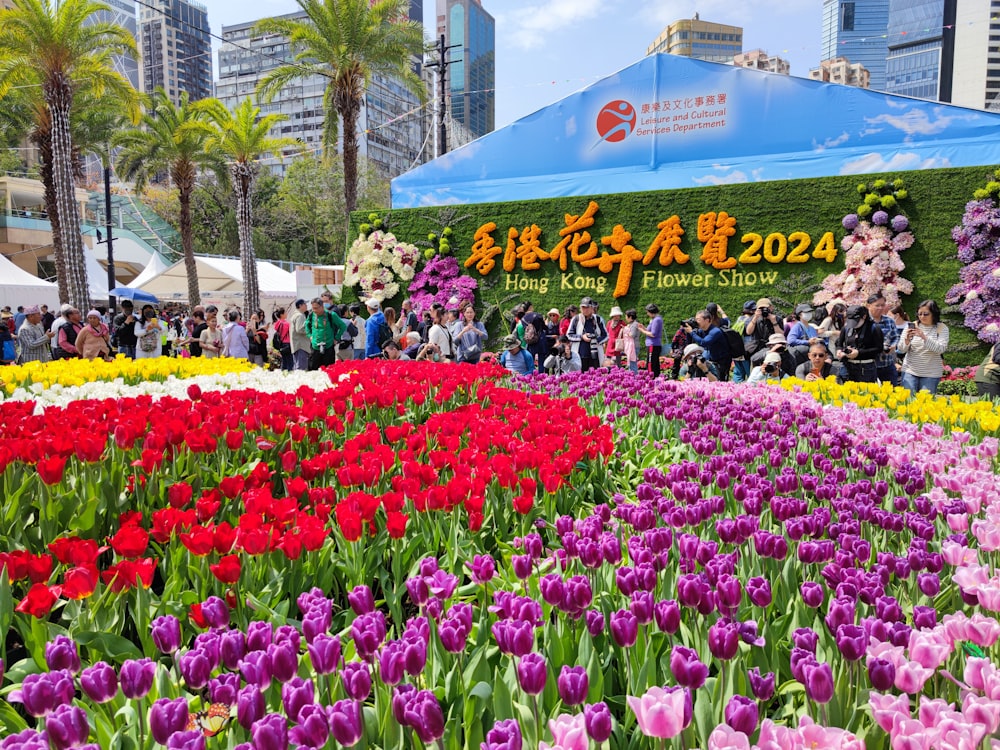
(51, 469)
(199, 541)
(234, 440)
(179, 494)
(395, 524)
(232, 486)
(39, 600)
(39, 567)
(79, 582)
(227, 570)
(130, 541)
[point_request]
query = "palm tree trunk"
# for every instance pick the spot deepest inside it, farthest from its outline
(42, 138)
(185, 187)
(58, 98)
(243, 180)
(349, 117)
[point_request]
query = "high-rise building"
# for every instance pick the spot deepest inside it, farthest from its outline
(976, 77)
(702, 40)
(122, 13)
(390, 128)
(176, 48)
(843, 71)
(758, 59)
(471, 76)
(921, 49)
(857, 30)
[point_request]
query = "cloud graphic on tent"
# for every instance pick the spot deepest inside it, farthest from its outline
(454, 158)
(722, 179)
(875, 162)
(830, 142)
(914, 122)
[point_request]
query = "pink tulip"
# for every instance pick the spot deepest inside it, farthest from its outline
(724, 737)
(887, 710)
(965, 737)
(910, 677)
(983, 631)
(956, 554)
(978, 672)
(569, 732)
(815, 735)
(980, 710)
(660, 713)
(930, 711)
(929, 649)
(880, 650)
(910, 734)
(970, 577)
(775, 737)
(987, 533)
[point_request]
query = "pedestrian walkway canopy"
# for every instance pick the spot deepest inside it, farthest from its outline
(672, 122)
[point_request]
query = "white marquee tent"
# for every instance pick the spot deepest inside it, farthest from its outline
(18, 287)
(220, 279)
(154, 268)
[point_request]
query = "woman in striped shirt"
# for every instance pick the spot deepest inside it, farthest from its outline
(923, 343)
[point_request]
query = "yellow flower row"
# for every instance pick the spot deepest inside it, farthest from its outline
(951, 412)
(75, 372)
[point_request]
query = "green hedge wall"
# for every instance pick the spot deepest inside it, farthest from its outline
(936, 202)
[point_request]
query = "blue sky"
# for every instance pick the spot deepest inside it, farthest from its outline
(547, 49)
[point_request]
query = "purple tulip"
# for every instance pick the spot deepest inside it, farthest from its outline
(137, 677)
(667, 615)
(505, 735)
(256, 668)
(852, 641)
(400, 697)
(61, 653)
(532, 672)
(28, 739)
(818, 682)
(295, 694)
(324, 652)
(759, 592)
(311, 598)
(166, 717)
(423, 714)
(624, 628)
(514, 637)
(270, 733)
(345, 721)
(390, 661)
(414, 654)
(805, 638)
(761, 686)
(361, 600)
(195, 668)
(551, 587)
(357, 680)
(250, 706)
(882, 674)
(166, 633)
(595, 622)
(724, 639)
(812, 594)
(313, 728)
(315, 623)
(188, 739)
(99, 682)
(597, 720)
(577, 595)
(454, 635)
(67, 726)
(573, 685)
(368, 632)
(840, 612)
(523, 566)
(641, 605)
(924, 618)
(483, 568)
(284, 661)
(741, 714)
(259, 635)
(216, 612)
(929, 584)
(686, 668)
(223, 689)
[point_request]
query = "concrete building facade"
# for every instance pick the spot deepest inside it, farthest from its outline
(758, 59)
(702, 40)
(176, 48)
(843, 71)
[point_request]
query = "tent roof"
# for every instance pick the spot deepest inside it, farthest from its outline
(220, 275)
(154, 268)
(670, 122)
(18, 287)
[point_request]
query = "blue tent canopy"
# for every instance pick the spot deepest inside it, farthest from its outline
(672, 122)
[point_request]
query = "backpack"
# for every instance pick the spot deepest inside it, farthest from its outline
(383, 334)
(149, 340)
(736, 348)
(530, 333)
(9, 350)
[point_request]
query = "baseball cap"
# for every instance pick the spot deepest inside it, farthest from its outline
(772, 358)
(554, 311)
(749, 306)
(587, 302)
(803, 307)
(763, 302)
(692, 349)
(856, 315)
(511, 342)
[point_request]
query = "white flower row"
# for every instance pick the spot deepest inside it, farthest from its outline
(266, 381)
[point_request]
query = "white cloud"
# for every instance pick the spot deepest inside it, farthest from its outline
(915, 122)
(831, 142)
(531, 26)
(875, 162)
(726, 179)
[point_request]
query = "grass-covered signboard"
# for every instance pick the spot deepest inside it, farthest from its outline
(684, 248)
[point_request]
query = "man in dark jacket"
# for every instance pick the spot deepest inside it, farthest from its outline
(713, 340)
(859, 345)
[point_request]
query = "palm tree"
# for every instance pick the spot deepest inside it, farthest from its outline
(347, 41)
(241, 137)
(168, 141)
(61, 48)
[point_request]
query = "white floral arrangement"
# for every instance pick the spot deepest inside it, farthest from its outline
(266, 381)
(377, 262)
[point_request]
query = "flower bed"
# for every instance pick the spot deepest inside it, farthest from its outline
(441, 558)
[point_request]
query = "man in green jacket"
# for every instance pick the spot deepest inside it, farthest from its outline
(325, 328)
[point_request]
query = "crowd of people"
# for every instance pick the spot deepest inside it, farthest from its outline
(864, 343)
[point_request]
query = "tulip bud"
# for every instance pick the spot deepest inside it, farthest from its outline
(741, 714)
(532, 672)
(166, 717)
(137, 677)
(99, 682)
(573, 685)
(597, 719)
(761, 686)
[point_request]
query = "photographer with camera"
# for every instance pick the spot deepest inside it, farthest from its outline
(859, 346)
(391, 351)
(429, 352)
(694, 365)
(761, 327)
(562, 358)
(769, 369)
(712, 339)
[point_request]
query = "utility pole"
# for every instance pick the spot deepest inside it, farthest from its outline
(442, 64)
(107, 227)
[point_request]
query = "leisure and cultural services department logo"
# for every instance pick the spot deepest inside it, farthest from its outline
(616, 121)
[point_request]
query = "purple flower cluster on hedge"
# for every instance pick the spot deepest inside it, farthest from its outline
(978, 291)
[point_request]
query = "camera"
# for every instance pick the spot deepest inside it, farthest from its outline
(770, 368)
(764, 311)
(689, 322)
